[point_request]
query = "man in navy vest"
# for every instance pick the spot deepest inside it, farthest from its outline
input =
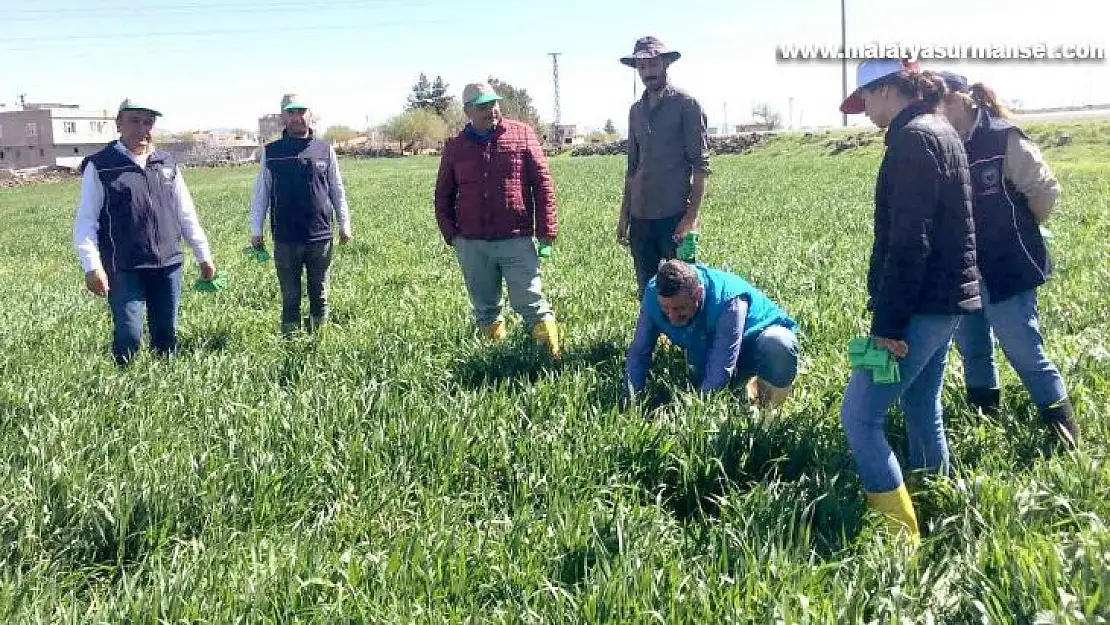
(729, 330)
(133, 212)
(299, 185)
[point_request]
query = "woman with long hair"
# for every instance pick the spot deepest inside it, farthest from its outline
(1014, 192)
(922, 278)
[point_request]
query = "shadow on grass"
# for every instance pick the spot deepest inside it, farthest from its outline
(524, 361)
(690, 476)
(217, 341)
(1017, 430)
(340, 317)
(102, 543)
(298, 350)
(576, 561)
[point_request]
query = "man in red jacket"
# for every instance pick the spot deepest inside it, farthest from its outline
(493, 194)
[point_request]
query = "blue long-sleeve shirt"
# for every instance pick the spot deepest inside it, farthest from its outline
(723, 353)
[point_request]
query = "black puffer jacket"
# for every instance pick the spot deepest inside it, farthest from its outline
(923, 260)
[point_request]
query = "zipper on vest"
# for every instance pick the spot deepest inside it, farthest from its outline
(150, 214)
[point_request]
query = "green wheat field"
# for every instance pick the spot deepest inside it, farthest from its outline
(399, 469)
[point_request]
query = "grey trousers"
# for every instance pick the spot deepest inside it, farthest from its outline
(293, 259)
(485, 264)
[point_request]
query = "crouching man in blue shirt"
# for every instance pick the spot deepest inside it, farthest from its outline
(727, 328)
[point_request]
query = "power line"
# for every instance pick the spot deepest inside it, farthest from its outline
(174, 12)
(133, 10)
(205, 33)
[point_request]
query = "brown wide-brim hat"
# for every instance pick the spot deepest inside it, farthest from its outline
(649, 48)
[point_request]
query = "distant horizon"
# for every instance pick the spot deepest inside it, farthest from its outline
(223, 64)
(1039, 114)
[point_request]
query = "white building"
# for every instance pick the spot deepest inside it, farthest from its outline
(50, 134)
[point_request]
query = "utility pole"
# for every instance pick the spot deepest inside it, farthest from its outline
(843, 61)
(558, 109)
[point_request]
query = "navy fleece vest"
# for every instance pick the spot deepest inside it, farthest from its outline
(1012, 254)
(300, 209)
(139, 228)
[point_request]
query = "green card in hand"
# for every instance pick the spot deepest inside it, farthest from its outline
(217, 283)
(864, 353)
(257, 253)
(688, 248)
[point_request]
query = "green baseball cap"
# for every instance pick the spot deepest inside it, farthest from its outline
(292, 101)
(129, 105)
(479, 93)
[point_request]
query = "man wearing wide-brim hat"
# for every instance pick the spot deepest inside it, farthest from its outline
(133, 212)
(668, 160)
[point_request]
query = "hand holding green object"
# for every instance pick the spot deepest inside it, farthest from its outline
(544, 249)
(217, 283)
(257, 253)
(865, 353)
(688, 248)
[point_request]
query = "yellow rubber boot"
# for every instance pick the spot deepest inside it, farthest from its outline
(495, 330)
(766, 396)
(546, 333)
(897, 507)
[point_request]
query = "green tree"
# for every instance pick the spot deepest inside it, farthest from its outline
(339, 134)
(516, 104)
(454, 117)
(414, 127)
(610, 129)
(421, 96)
(430, 95)
(441, 100)
(599, 136)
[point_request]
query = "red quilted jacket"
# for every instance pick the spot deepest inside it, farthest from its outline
(498, 189)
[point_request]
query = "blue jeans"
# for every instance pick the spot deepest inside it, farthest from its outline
(1017, 326)
(772, 356)
(864, 411)
(134, 294)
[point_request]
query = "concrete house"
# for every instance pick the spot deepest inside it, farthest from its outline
(269, 128)
(50, 134)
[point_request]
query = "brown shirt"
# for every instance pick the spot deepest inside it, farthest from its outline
(667, 143)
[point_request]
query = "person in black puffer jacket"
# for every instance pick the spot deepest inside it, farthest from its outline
(1014, 193)
(923, 277)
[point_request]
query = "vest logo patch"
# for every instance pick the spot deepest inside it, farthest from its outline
(990, 177)
(321, 166)
(167, 173)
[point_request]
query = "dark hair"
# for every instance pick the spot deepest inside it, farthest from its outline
(985, 97)
(927, 86)
(674, 276)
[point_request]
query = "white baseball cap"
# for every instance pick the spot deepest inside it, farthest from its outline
(871, 71)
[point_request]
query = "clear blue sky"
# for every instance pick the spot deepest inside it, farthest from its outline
(210, 64)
